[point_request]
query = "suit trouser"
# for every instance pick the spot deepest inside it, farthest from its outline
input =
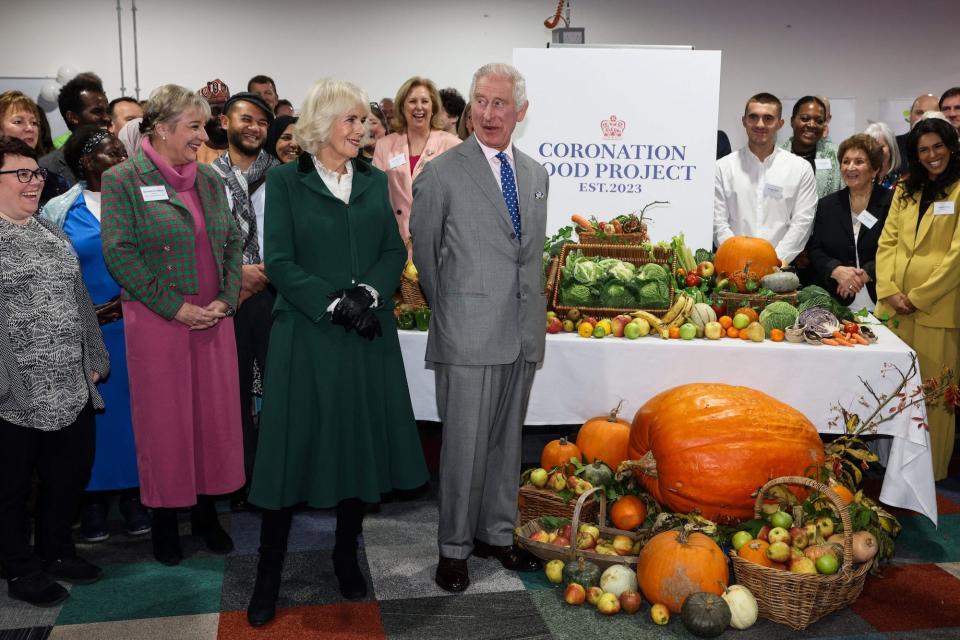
(63, 460)
(252, 328)
(482, 410)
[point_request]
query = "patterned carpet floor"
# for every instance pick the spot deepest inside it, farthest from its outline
(918, 595)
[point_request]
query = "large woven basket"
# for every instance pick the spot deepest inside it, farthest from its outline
(547, 552)
(798, 599)
(736, 300)
(634, 254)
(411, 293)
(534, 503)
(592, 237)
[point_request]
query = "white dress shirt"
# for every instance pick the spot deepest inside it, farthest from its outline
(774, 199)
(491, 155)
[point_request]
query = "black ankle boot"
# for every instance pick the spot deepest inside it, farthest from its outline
(205, 524)
(352, 584)
(274, 531)
(166, 537)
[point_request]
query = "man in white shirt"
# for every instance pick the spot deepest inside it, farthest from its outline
(763, 191)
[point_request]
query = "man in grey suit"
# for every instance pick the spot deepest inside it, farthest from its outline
(478, 221)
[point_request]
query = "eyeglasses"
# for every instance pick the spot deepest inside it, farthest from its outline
(26, 175)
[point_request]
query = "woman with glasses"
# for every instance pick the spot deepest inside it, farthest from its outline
(51, 357)
(419, 138)
(89, 152)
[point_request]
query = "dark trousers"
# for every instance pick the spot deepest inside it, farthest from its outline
(252, 327)
(62, 460)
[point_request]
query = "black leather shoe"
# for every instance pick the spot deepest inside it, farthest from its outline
(510, 556)
(351, 582)
(74, 570)
(205, 524)
(263, 603)
(165, 536)
(452, 575)
(38, 589)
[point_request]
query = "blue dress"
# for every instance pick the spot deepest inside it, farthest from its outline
(115, 462)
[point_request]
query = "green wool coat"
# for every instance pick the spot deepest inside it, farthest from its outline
(337, 420)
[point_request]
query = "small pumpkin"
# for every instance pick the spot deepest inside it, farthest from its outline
(583, 572)
(557, 453)
(743, 606)
(742, 256)
(605, 438)
(674, 564)
(705, 615)
(756, 552)
(780, 281)
(618, 578)
(628, 512)
(597, 474)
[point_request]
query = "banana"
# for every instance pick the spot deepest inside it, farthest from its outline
(677, 307)
(651, 319)
(684, 313)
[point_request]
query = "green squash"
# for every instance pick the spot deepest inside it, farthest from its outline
(705, 615)
(583, 572)
(597, 473)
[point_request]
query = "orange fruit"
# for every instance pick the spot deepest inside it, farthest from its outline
(732, 332)
(744, 335)
(776, 335)
(628, 513)
(749, 312)
(674, 332)
(585, 330)
(725, 321)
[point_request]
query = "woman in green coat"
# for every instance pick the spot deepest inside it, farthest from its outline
(337, 427)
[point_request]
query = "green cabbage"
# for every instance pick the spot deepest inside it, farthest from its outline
(587, 272)
(813, 291)
(653, 271)
(617, 296)
(576, 295)
(623, 272)
(778, 315)
(653, 294)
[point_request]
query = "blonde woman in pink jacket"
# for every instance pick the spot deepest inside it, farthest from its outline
(419, 138)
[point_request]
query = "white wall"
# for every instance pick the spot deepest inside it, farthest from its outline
(863, 49)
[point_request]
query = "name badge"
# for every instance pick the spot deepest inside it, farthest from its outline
(943, 208)
(154, 193)
(823, 164)
(773, 191)
(867, 219)
(397, 161)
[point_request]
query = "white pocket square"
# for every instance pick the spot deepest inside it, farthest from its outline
(538, 195)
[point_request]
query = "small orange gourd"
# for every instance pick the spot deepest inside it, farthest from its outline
(628, 513)
(675, 564)
(557, 453)
(756, 551)
(605, 438)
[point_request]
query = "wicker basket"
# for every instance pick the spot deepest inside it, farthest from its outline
(534, 503)
(634, 254)
(550, 279)
(411, 293)
(798, 599)
(591, 237)
(736, 300)
(547, 552)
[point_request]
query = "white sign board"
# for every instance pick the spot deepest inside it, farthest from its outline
(617, 129)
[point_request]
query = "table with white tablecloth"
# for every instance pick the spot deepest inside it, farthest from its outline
(583, 377)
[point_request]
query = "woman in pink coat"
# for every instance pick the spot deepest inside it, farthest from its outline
(419, 138)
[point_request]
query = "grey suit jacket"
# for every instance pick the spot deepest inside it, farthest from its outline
(484, 286)
(55, 162)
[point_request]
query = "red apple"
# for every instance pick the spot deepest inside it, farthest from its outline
(705, 269)
(798, 537)
(566, 531)
(560, 541)
(574, 594)
(554, 325)
(593, 595)
(764, 532)
(630, 602)
(540, 536)
(619, 323)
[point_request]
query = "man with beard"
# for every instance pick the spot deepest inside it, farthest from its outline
(246, 118)
(216, 93)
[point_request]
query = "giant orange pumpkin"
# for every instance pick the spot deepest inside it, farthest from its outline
(710, 446)
(605, 438)
(675, 564)
(742, 255)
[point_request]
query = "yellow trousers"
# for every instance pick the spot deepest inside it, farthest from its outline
(936, 348)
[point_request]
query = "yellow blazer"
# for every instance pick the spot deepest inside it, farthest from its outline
(923, 262)
(399, 178)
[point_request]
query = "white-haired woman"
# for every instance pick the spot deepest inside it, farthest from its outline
(171, 242)
(889, 173)
(337, 428)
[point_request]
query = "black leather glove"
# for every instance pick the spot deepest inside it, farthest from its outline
(368, 326)
(353, 302)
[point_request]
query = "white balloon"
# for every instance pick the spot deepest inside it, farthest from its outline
(65, 74)
(49, 91)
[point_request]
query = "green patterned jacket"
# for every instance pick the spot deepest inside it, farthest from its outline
(149, 246)
(828, 180)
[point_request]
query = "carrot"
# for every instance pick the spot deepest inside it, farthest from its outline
(617, 226)
(841, 340)
(830, 341)
(856, 337)
(582, 222)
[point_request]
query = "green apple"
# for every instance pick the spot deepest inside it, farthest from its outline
(781, 519)
(632, 331)
(643, 324)
(688, 331)
(539, 477)
(740, 538)
(827, 564)
(740, 321)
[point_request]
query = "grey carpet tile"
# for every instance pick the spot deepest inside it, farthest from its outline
(16, 614)
(123, 549)
(33, 633)
(308, 579)
(311, 530)
(478, 616)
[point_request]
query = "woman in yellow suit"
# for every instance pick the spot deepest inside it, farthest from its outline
(918, 265)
